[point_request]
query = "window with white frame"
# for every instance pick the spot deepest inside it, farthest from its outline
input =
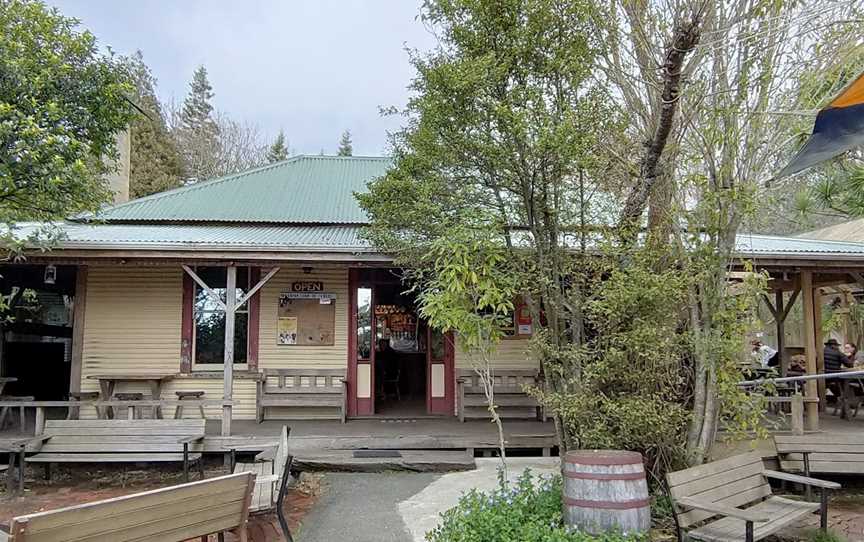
(209, 317)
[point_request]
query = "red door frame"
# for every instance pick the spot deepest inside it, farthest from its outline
(366, 406)
(446, 405)
(359, 406)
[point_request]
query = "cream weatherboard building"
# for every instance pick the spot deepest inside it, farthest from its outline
(144, 285)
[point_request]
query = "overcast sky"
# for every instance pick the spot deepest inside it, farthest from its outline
(311, 67)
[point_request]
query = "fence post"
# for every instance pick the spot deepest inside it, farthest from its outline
(797, 414)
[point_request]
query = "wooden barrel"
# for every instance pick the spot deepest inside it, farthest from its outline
(606, 490)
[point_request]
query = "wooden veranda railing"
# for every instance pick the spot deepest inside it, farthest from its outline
(797, 400)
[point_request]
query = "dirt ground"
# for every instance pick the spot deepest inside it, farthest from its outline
(73, 485)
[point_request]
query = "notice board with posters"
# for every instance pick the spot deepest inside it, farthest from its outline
(306, 318)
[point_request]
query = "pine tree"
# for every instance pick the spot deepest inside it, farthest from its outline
(345, 146)
(155, 164)
(197, 132)
(278, 151)
(197, 112)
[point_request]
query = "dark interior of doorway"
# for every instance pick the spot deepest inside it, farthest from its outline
(36, 329)
(400, 353)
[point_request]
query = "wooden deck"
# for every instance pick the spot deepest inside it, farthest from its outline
(387, 434)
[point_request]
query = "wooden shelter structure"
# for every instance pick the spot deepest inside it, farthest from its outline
(803, 271)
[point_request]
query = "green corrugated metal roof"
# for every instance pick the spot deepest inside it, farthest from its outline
(318, 238)
(300, 190)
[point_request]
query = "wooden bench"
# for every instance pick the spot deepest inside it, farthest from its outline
(272, 468)
(120, 441)
(171, 514)
(823, 453)
(721, 488)
(510, 396)
(303, 389)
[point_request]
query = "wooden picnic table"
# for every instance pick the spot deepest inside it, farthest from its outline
(107, 383)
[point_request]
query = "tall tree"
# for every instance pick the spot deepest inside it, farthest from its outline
(505, 122)
(197, 132)
(155, 164)
(278, 150)
(61, 106)
(346, 148)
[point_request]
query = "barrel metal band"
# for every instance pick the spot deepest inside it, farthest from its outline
(618, 459)
(605, 475)
(608, 505)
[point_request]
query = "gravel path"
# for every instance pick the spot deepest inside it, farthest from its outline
(362, 507)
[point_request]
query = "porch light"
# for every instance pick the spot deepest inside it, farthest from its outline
(50, 274)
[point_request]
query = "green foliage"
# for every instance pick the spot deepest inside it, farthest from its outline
(470, 289)
(61, 105)
(198, 133)
(631, 391)
(824, 536)
(278, 150)
(155, 164)
(346, 147)
(530, 509)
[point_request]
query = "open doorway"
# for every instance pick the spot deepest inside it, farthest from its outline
(400, 352)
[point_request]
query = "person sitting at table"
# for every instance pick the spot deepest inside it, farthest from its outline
(853, 355)
(835, 360)
(765, 355)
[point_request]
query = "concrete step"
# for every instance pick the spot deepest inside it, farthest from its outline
(407, 460)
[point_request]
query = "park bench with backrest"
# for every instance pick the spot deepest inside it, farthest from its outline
(171, 514)
(731, 500)
(822, 453)
(318, 393)
(120, 441)
(510, 396)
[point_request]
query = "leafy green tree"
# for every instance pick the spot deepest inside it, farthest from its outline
(346, 148)
(61, 106)
(278, 150)
(505, 132)
(155, 164)
(471, 292)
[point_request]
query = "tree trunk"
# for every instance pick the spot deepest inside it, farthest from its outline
(684, 40)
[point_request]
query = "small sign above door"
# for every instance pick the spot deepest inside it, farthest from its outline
(307, 286)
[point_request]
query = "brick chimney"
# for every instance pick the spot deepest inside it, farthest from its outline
(118, 180)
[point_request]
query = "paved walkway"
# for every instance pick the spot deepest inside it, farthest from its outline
(399, 507)
(362, 507)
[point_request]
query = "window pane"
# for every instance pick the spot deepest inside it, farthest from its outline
(241, 337)
(210, 337)
(437, 344)
(364, 323)
(210, 318)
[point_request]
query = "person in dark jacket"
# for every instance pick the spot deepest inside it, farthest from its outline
(835, 360)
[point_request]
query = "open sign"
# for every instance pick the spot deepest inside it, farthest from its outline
(307, 286)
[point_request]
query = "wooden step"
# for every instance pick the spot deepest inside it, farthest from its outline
(408, 460)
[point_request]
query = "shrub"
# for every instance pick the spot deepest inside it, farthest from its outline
(820, 536)
(529, 509)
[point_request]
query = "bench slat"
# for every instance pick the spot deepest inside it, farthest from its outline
(501, 401)
(108, 457)
(782, 511)
(301, 390)
(715, 467)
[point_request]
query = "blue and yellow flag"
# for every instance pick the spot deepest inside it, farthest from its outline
(839, 127)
